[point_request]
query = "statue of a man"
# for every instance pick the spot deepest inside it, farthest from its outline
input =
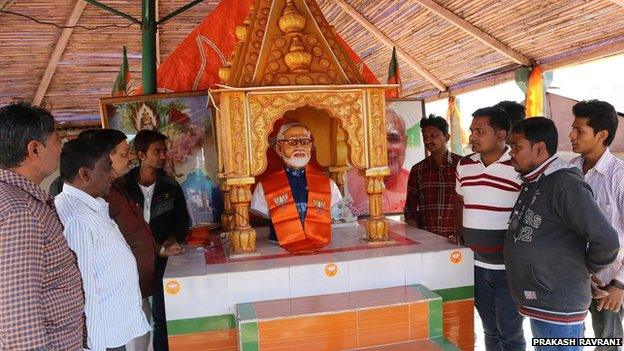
(297, 199)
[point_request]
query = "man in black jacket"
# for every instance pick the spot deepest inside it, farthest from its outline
(164, 208)
(557, 236)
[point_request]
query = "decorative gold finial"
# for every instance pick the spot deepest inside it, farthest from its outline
(224, 72)
(241, 32)
(291, 21)
(297, 59)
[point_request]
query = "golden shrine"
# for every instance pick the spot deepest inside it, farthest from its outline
(288, 62)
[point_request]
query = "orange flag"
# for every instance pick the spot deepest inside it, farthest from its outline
(535, 93)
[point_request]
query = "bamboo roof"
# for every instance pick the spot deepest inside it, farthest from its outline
(461, 43)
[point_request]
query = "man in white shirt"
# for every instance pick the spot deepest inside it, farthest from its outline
(108, 268)
(593, 130)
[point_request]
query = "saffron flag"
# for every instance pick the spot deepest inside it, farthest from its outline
(535, 93)
(394, 77)
(194, 64)
(123, 78)
(458, 137)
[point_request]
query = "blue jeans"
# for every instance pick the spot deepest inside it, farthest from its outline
(549, 330)
(502, 323)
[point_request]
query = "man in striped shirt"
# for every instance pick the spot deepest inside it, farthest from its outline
(557, 236)
(487, 187)
(109, 271)
(593, 130)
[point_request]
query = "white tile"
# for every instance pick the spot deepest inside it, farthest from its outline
(413, 269)
(252, 286)
(440, 272)
(197, 297)
(319, 279)
(376, 273)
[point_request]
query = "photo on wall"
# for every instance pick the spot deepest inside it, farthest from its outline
(187, 121)
(405, 149)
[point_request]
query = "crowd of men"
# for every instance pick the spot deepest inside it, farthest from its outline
(82, 265)
(547, 235)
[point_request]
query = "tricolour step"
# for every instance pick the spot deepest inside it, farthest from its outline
(346, 321)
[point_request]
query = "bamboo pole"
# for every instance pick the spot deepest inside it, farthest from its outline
(58, 51)
(475, 32)
(384, 39)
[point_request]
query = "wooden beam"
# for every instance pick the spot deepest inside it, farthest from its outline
(384, 39)
(618, 2)
(475, 32)
(595, 51)
(58, 52)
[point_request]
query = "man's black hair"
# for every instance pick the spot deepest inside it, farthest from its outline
(497, 116)
(109, 137)
(21, 123)
(80, 153)
(515, 111)
(536, 129)
(435, 121)
(600, 115)
(145, 138)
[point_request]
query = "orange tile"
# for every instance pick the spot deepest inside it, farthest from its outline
(458, 319)
(419, 320)
(384, 325)
(302, 305)
(321, 332)
(221, 340)
(384, 297)
(420, 345)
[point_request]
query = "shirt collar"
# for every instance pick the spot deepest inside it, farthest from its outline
(25, 184)
(505, 157)
(96, 204)
(447, 157)
(539, 171)
(295, 172)
(602, 166)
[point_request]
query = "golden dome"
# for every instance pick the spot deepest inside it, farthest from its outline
(297, 59)
(241, 32)
(291, 21)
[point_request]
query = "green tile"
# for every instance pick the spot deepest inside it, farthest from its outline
(445, 344)
(435, 318)
(428, 294)
(453, 294)
(248, 333)
(245, 312)
(202, 324)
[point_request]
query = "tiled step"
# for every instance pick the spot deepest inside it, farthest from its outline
(435, 344)
(341, 321)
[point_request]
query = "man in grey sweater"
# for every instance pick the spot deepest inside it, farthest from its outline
(557, 236)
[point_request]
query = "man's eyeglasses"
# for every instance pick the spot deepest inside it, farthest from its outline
(294, 142)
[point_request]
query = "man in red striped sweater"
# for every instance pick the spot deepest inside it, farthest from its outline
(487, 187)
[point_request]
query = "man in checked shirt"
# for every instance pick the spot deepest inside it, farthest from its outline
(431, 184)
(41, 299)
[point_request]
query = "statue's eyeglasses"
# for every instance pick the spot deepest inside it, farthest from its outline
(294, 142)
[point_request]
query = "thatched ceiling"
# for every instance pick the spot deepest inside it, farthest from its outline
(553, 32)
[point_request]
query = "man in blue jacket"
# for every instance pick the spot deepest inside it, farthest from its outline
(557, 236)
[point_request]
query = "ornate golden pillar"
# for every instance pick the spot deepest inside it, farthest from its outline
(227, 217)
(242, 235)
(376, 224)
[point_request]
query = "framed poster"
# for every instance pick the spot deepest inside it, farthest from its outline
(405, 149)
(187, 120)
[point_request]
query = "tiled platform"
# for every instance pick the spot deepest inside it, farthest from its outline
(201, 297)
(341, 321)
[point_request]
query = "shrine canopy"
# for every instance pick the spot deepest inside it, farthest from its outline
(444, 46)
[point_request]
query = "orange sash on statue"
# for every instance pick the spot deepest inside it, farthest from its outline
(315, 233)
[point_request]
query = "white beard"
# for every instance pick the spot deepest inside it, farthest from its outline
(297, 162)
